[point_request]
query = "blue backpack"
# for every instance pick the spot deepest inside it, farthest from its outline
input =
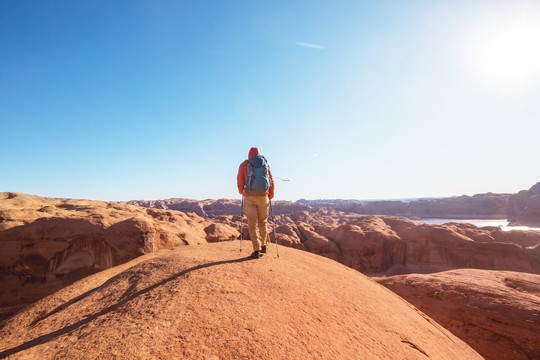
(258, 180)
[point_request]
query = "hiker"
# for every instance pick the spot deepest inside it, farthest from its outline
(256, 184)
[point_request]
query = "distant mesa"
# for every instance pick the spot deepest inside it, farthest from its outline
(210, 302)
(524, 207)
(479, 206)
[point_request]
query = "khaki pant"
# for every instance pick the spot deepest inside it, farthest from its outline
(256, 209)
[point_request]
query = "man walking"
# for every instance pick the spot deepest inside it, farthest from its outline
(256, 184)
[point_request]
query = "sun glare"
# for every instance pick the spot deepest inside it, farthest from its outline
(504, 48)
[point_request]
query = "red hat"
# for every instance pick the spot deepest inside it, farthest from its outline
(253, 152)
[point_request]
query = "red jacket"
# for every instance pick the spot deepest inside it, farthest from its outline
(243, 174)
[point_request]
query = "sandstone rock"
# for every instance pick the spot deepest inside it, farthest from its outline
(369, 245)
(289, 229)
(524, 207)
(321, 245)
(391, 245)
(534, 253)
(288, 235)
(519, 237)
(48, 243)
(437, 248)
(289, 241)
(204, 302)
(302, 216)
(221, 232)
(496, 312)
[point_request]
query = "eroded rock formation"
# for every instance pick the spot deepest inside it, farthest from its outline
(47, 243)
(496, 312)
(391, 245)
(524, 207)
(50, 243)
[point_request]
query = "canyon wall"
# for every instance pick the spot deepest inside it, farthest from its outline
(524, 207)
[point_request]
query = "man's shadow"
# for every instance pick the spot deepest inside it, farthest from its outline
(126, 297)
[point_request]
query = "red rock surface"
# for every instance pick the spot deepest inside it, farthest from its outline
(48, 243)
(209, 302)
(496, 312)
(524, 207)
(221, 232)
(390, 245)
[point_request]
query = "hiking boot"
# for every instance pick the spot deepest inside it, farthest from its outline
(255, 255)
(263, 249)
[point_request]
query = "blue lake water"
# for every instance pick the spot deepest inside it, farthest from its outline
(502, 223)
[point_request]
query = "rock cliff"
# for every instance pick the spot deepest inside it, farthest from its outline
(524, 207)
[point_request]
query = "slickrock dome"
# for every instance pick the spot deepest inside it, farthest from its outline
(497, 312)
(210, 302)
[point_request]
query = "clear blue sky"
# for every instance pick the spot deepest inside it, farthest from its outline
(119, 100)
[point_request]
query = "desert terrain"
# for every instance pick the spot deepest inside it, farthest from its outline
(63, 258)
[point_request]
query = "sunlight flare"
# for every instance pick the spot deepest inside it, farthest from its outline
(504, 48)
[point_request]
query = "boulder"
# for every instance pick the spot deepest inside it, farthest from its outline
(221, 232)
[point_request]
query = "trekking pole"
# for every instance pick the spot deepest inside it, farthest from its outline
(274, 227)
(242, 226)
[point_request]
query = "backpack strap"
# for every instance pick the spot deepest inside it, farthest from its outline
(250, 174)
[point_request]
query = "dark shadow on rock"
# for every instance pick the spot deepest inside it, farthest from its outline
(53, 335)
